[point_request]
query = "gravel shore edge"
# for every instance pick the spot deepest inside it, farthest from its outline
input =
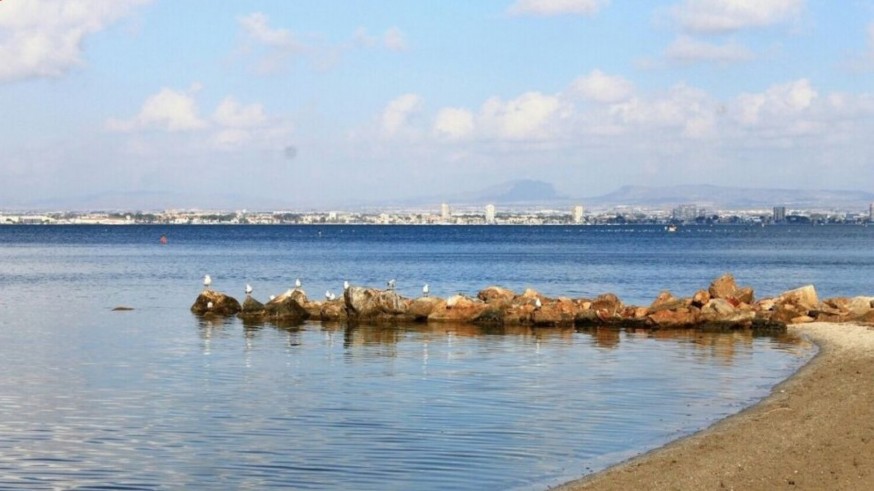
(814, 431)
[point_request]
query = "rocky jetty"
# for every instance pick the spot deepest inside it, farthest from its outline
(723, 305)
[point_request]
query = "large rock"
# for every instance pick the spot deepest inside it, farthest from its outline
(285, 308)
(607, 306)
(725, 287)
(252, 309)
(422, 307)
(682, 317)
(804, 297)
(496, 295)
(215, 303)
(372, 304)
(333, 310)
(457, 308)
(554, 313)
(667, 301)
(859, 306)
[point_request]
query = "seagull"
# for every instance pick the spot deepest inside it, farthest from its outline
(206, 282)
(391, 284)
(425, 290)
(537, 303)
(209, 305)
(248, 289)
(328, 295)
(297, 283)
(345, 285)
(272, 297)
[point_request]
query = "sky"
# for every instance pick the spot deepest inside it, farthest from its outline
(324, 103)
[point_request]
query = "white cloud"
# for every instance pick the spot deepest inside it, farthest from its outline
(690, 110)
(600, 87)
(454, 123)
(232, 114)
(43, 38)
(777, 104)
(557, 7)
(715, 16)
(232, 124)
(168, 110)
(271, 49)
(525, 117)
(397, 113)
(256, 26)
(687, 50)
(394, 40)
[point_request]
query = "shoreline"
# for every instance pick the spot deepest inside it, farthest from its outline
(814, 431)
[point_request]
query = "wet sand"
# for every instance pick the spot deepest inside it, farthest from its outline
(814, 432)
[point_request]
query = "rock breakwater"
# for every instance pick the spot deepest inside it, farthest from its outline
(723, 305)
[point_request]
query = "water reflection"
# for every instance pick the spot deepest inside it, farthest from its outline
(721, 345)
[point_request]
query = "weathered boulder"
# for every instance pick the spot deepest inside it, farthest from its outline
(681, 317)
(554, 313)
(606, 306)
(700, 298)
(422, 307)
(804, 297)
(722, 312)
(285, 308)
(369, 303)
(496, 295)
(333, 310)
(667, 301)
(457, 308)
(252, 310)
(215, 303)
(725, 287)
(859, 306)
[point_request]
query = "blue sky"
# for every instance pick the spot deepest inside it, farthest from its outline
(316, 104)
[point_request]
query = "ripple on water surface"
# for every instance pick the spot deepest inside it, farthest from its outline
(313, 407)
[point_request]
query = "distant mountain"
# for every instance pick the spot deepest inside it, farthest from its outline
(520, 191)
(518, 194)
(731, 197)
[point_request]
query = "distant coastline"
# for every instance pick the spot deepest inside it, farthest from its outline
(685, 215)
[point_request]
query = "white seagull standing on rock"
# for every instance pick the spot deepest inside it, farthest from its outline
(537, 303)
(345, 285)
(426, 290)
(391, 284)
(206, 282)
(297, 283)
(248, 289)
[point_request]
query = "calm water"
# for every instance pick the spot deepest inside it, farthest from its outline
(159, 399)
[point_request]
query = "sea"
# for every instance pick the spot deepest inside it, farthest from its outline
(156, 398)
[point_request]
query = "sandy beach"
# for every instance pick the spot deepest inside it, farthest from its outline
(815, 431)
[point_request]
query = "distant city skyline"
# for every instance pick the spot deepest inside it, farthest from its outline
(320, 104)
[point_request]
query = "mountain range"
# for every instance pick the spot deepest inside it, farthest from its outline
(520, 194)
